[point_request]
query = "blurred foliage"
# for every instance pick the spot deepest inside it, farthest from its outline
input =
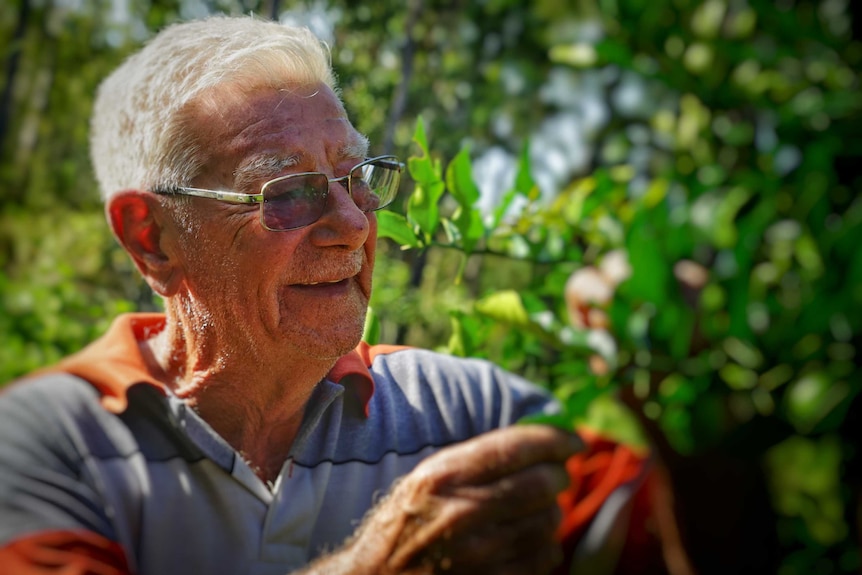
(698, 160)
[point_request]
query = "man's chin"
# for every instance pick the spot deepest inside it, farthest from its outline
(328, 346)
(333, 354)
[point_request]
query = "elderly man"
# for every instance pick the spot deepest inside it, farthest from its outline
(247, 430)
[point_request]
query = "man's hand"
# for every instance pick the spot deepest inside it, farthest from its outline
(487, 505)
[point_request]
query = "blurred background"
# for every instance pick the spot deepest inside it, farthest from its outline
(652, 208)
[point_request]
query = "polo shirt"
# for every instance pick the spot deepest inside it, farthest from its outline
(103, 469)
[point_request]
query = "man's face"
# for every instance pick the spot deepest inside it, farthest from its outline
(265, 292)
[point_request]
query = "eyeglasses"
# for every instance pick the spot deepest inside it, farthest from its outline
(298, 200)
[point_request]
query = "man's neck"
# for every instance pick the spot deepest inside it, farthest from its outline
(256, 404)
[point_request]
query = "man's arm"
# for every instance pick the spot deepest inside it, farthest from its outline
(487, 501)
(488, 504)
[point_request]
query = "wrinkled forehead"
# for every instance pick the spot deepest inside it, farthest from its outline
(241, 129)
(230, 109)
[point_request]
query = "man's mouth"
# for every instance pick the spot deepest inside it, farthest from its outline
(322, 282)
(332, 274)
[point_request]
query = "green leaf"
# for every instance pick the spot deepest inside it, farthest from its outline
(371, 332)
(504, 306)
(811, 398)
(650, 272)
(465, 334)
(459, 180)
(467, 219)
(578, 403)
(724, 229)
(524, 182)
(469, 224)
(614, 52)
(503, 206)
(608, 416)
(524, 186)
(422, 208)
(396, 227)
(456, 344)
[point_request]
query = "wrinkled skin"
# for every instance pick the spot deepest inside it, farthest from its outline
(487, 505)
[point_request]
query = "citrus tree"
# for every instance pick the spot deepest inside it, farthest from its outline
(699, 269)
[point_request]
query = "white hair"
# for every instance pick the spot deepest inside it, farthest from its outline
(140, 132)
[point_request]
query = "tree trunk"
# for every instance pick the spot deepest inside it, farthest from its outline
(12, 62)
(399, 99)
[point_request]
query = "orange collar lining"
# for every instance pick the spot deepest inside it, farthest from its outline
(114, 362)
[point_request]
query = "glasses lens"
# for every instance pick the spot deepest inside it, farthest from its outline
(374, 184)
(294, 201)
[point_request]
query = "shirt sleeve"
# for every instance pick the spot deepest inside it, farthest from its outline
(67, 552)
(51, 514)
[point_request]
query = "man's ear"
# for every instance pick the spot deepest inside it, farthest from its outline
(136, 220)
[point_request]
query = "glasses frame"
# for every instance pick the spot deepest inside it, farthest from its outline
(242, 198)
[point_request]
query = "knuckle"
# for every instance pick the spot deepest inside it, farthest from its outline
(546, 481)
(431, 475)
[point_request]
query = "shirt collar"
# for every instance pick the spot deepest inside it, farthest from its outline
(114, 363)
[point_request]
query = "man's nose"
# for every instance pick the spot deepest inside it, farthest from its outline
(342, 222)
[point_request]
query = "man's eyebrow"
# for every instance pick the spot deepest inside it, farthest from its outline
(268, 166)
(262, 167)
(356, 147)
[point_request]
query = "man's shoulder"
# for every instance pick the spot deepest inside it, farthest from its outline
(36, 414)
(55, 414)
(416, 356)
(433, 384)
(42, 393)
(417, 366)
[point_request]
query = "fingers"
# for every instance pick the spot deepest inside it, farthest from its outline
(524, 545)
(464, 508)
(521, 493)
(487, 502)
(508, 542)
(497, 454)
(493, 491)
